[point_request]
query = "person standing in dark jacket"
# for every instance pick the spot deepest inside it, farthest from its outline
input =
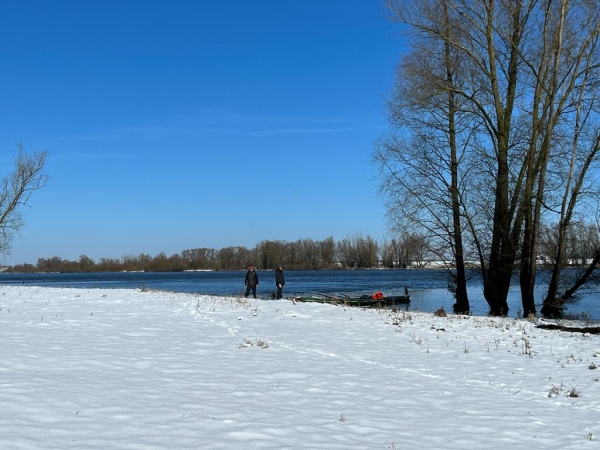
(279, 281)
(251, 281)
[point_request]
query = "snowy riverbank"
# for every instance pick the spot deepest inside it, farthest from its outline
(124, 369)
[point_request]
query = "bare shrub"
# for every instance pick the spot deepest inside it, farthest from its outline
(555, 391)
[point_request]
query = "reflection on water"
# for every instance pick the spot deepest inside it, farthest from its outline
(427, 287)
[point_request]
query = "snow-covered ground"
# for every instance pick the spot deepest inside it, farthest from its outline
(125, 369)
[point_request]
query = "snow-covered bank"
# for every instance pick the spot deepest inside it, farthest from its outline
(125, 369)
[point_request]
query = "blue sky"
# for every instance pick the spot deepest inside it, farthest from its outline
(177, 125)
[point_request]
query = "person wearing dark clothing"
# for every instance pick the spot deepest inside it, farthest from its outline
(279, 281)
(251, 282)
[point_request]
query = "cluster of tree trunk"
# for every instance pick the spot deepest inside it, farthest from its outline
(494, 135)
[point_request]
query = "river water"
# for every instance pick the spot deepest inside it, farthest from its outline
(427, 288)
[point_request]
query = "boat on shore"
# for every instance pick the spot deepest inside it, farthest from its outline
(377, 300)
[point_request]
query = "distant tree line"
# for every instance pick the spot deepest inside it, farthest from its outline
(408, 250)
(352, 252)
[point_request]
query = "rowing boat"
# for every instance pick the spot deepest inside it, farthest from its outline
(363, 301)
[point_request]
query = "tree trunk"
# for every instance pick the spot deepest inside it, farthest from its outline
(527, 281)
(462, 299)
(495, 291)
(553, 306)
(583, 279)
(555, 277)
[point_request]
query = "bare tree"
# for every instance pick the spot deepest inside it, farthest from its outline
(86, 264)
(422, 160)
(561, 68)
(387, 251)
(566, 213)
(235, 258)
(270, 253)
(346, 253)
(16, 191)
(200, 258)
(366, 251)
(327, 252)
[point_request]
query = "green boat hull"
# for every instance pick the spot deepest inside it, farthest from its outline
(361, 302)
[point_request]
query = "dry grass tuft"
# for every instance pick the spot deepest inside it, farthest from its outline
(440, 312)
(573, 393)
(251, 342)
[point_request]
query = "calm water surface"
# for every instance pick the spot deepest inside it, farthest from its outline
(427, 287)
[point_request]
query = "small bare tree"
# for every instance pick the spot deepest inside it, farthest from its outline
(16, 191)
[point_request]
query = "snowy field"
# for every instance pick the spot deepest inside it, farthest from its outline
(124, 369)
